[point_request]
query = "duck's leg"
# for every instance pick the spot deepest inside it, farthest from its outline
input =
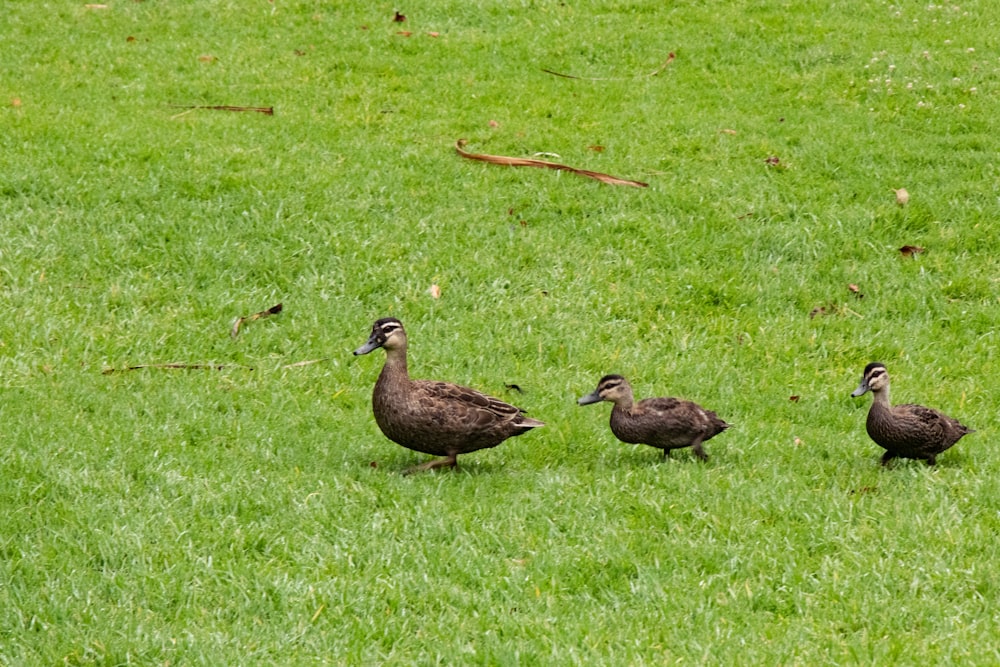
(449, 461)
(931, 460)
(699, 451)
(888, 456)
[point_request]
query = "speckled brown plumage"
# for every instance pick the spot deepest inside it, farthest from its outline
(436, 418)
(665, 423)
(905, 431)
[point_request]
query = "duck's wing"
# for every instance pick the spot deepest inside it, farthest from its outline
(925, 424)
(468, 405)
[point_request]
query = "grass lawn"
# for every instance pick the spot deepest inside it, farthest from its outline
(254, 514)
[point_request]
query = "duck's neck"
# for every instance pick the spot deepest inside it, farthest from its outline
(881, 398)
(625, 403)
(395, 363)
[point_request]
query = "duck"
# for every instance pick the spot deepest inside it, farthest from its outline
(437, 418)
(905, 431)
(665, 423)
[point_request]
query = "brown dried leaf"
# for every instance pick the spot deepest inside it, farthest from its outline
(856, 291)
(902, 196)
(818, 310)
(727, 131)
(404, 33)
(273, 310)
(773, 161)
(794, 399)
(526, 162)
(267, 111)
(670, 59)
(16, 102)
(399, 18)
(596, 148)
(435, 291)
(911, 250)
(207, 58)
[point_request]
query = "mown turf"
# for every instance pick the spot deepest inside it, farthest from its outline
(255, 514)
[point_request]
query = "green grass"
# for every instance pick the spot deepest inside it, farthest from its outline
(259, 517)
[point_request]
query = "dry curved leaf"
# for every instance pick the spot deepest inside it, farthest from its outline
(670, 59)
(528, 162)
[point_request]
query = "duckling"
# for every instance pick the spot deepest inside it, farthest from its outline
(906, 431)
(436, 418)
(666, 423)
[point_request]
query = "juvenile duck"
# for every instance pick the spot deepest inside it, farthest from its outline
(436, 418)
(666, 423)
(907, 431)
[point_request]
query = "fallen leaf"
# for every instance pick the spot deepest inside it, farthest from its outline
(902, 196)
(727, 131)
(96, 6)
(373, 464)
(235, 331)
(435, 291)
(596, 149)
(797, 441)
(399, 18)
(773, 161)
(493, 123)
(404, 33)
(207, 58)
(818, 310)
(670, 59)
(267, 111)
(433, 34)
(856, 291)
(794, 399)
(524, 162)
(130, 38)
(16, 102)
(911, 250)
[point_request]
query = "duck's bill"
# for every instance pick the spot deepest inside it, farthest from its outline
(861, 390)
(372, 344)
(589, 398)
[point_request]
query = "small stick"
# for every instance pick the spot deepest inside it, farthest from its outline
(176, 366)
(269, 111)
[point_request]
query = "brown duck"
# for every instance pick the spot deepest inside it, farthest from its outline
(905, 431)
(436, 418)
(666, 423)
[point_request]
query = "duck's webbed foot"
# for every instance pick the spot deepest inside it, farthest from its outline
(888, 456)
(449, 461)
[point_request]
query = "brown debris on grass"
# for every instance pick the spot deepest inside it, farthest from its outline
(240, 321)
(268, 111)
(659, 69)
(527, 162)
(177, 366)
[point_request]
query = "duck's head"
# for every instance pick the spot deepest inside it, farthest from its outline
(386, 333)
(611, 388)
(875, 379)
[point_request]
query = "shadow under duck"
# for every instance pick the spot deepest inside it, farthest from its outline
(905, 431)
(436, 418)
(665, 423)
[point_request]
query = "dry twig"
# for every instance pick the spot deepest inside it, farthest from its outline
(526, 162)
